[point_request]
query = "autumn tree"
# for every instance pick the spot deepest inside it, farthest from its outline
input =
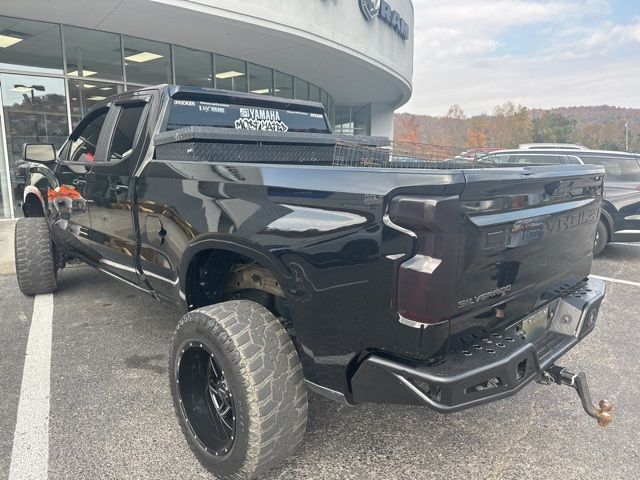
(476, 138)
(553, 128)
(512, 125)
(478, 132)
(407, 129)
(455, 111)
(455, 124)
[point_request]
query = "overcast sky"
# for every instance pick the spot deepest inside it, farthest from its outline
(480, 53)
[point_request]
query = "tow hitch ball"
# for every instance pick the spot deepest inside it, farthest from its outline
(602, 411)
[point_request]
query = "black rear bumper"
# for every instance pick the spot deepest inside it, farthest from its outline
(488, 368)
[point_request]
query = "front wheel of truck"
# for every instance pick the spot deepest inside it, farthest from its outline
(238, 388)
(35, 257)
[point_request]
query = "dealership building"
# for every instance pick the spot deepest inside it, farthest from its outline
(59, 57)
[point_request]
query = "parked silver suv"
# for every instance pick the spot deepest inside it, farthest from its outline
(561, 146)
(528, 157)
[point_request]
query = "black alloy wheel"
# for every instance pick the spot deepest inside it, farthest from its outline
(206, 399)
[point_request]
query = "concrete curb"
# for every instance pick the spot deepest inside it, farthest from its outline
(7, 265)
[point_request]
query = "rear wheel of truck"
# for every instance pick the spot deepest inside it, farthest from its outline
(35, 257)
(602, 236)
(238, 388)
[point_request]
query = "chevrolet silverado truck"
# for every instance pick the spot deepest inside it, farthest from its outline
(306, 261)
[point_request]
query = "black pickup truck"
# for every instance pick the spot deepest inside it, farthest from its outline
(305, 260)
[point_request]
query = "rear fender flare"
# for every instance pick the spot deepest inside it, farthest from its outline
(237, 245)
(258, 253)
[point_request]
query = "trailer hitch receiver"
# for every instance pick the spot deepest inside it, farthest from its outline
(601, 411)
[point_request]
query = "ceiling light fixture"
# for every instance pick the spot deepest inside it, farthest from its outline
(7, 41)
(229, 74)
(96, 98)
(143, 57)
(262, 91)
(85, 73)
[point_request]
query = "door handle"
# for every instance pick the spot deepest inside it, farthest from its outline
(119, 188)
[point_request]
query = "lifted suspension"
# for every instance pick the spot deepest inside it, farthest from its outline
(602, 411)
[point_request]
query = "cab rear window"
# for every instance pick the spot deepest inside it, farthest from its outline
(187, 113)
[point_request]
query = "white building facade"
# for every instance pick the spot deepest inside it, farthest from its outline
(59, 57)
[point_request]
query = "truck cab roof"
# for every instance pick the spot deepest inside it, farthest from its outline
(242, 98)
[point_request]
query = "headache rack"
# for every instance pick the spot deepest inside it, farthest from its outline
(400, 155)
(223, 145)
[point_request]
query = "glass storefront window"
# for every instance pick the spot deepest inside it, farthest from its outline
(84, 94)
(231, 74)
(35, 111)
(324, 99)
(301, 89)
(91, 53)
(193, 67)
(5, 198)
(146, 62)
(30, 46)
(343, 123)
(314, 93)
(332, 109)
(352, 120)
(260, 79)
(283, 85)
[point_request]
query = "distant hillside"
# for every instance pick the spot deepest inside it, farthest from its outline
(601, 114)
(509, 125)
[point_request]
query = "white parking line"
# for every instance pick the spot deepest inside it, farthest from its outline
(616, 280)
(30, 454)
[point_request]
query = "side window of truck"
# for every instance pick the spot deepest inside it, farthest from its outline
(84, 141)
(124, 135)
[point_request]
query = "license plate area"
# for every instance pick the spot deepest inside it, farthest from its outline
(536, 325)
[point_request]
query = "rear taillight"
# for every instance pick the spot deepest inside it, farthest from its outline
(414, 282)
(426, 281)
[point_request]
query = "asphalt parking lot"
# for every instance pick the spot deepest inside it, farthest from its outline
(110, 412)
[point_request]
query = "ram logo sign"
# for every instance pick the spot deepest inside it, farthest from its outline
(370, 8)
(382, 10)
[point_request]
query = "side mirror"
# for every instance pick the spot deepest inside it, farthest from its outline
(39, 152)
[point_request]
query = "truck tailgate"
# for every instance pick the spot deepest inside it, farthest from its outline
(523, 233)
